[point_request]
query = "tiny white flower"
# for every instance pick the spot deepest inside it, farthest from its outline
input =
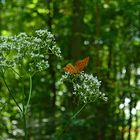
(30, 51)
(85, 85)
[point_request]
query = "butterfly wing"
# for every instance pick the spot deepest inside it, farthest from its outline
(71, 69)
(80, 65)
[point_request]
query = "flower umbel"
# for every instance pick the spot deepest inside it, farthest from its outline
(85, 85)
(29, 53)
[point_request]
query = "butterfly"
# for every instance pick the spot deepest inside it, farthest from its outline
(77, 67)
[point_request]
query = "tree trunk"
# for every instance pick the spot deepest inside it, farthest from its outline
(52, 71)
(75, 41)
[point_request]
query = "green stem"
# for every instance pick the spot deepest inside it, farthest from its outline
(29, 97)
(74, 116)
(25, 110)
(16, 73)
(23, 115)
(25, 125)
(11, 93)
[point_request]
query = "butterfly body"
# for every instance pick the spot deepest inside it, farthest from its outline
(78, 67)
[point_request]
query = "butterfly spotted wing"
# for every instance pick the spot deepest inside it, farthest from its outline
(78, 67)
(81, 64)
(71, 69)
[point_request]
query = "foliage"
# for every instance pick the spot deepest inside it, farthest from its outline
(105, 30)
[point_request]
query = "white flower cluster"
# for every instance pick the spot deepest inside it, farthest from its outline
(85, 85)
(30, 53)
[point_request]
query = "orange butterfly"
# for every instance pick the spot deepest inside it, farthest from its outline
(78, 67)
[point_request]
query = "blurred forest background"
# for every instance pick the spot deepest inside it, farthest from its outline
(108, 31)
